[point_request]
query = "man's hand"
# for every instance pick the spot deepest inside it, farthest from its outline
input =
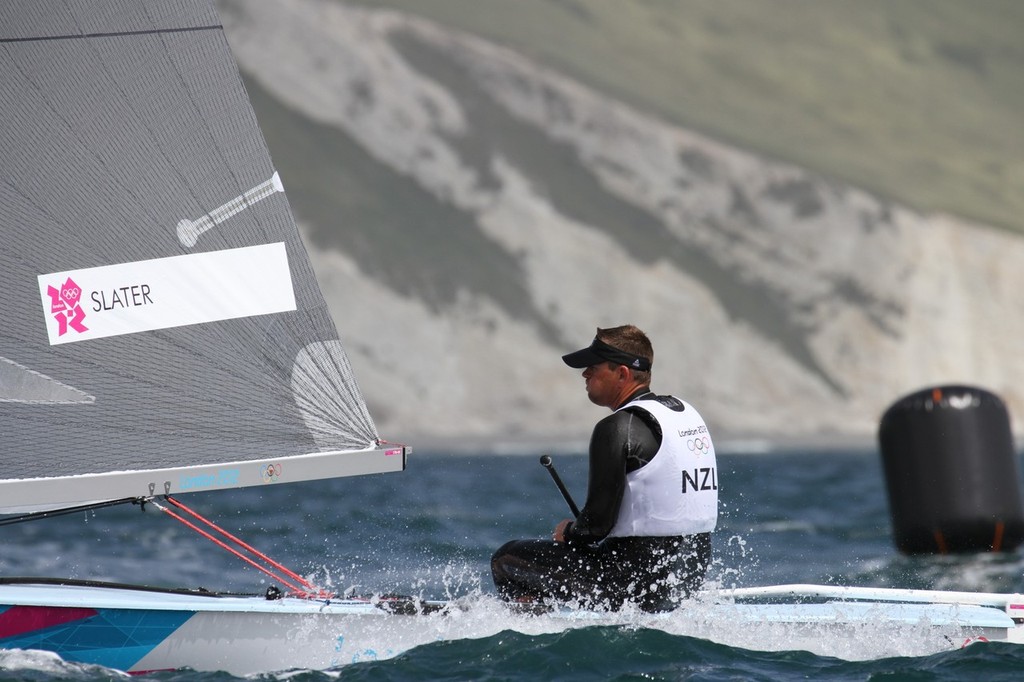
(559, 534)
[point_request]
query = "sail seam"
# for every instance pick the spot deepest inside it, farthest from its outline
(115, 34)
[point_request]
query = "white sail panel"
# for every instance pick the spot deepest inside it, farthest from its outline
(21, 384)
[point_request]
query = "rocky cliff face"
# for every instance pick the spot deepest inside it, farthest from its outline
(516, 210)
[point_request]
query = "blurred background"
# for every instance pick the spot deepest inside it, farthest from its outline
(812, 208)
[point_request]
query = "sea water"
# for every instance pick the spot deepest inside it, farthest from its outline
(807, 516)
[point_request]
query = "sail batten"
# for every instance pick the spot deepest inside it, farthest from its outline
(161, 313)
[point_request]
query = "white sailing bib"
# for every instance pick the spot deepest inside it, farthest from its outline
(676, 492)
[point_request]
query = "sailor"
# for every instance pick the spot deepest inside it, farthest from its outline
(644, 533)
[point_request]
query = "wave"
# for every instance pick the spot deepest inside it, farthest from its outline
(601, 652)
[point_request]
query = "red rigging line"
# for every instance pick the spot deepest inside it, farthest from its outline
(997, 540)
(311, 591)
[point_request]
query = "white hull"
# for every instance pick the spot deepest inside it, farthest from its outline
(137, 630)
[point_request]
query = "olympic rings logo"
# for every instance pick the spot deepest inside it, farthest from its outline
(271, 473)
(700, 446)
(71, 293)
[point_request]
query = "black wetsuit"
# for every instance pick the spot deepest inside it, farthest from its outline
(591, 569)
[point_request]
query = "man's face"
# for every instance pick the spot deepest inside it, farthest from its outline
(602, 384)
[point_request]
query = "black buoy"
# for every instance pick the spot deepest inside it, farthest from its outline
(951, 472)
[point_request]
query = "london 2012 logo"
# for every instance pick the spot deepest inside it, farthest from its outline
(66, 308)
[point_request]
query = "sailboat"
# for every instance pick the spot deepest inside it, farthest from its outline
(163, 333)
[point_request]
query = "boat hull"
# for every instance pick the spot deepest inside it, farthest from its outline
(142, 630)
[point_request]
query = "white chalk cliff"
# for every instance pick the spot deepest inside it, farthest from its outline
(781, 304)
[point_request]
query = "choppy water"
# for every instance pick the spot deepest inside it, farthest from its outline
(786, 517)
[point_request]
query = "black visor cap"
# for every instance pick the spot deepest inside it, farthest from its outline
(599, 352)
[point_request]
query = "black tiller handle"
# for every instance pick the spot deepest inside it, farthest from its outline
(547, 464)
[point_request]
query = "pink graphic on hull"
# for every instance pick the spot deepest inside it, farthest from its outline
(21, 619)
(64, 304)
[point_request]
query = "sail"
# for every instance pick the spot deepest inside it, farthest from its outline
(162, 327)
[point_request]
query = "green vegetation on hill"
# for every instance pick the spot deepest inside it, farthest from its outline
(918, 101)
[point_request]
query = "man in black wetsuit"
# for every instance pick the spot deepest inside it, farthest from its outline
(644, 534)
